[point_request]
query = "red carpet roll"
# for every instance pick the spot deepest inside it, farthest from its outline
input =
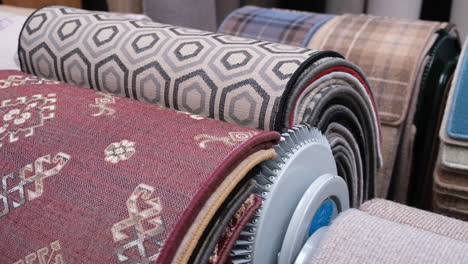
(89, 177)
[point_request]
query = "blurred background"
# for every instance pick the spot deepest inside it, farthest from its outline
(208, 14)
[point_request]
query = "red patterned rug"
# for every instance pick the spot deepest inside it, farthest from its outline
(89, 177)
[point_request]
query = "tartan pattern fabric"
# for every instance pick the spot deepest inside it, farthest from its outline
(292, 27)
(393, 53)
(389, 50)
(80, 187)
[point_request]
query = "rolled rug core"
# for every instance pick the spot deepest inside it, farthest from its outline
(243, 81)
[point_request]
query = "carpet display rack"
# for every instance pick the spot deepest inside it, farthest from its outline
(408, 63)
(257, 84)
(450, 177)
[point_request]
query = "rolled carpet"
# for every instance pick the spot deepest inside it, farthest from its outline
(386, 232)
(407, 63)
(102, 185)
(424, 220)
(244, 81)
(275, 25)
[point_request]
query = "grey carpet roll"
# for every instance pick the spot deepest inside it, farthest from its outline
(359, 237)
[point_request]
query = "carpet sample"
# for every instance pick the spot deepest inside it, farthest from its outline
(102, 186)
(457, 124)
(450, 177)
(258, 84)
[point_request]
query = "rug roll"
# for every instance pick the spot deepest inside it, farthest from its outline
(275, 25)
(404, 61)
(450, 188)
(102, 186)
(244, 81)
(372, 236)
(417, 218)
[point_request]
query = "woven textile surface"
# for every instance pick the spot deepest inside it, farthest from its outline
(253, 83)
(358, 237)
(393, 54)
(83, 179)
(389, 50)
(294, 28)
(402, 214)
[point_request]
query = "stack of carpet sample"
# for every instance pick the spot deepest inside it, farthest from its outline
(408, 64)
(451, 174)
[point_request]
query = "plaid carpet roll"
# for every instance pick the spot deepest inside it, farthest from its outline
(291, 27)
(244, 81)
(404, 61)
(386, 232)
(451, 173)
(89, 177)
